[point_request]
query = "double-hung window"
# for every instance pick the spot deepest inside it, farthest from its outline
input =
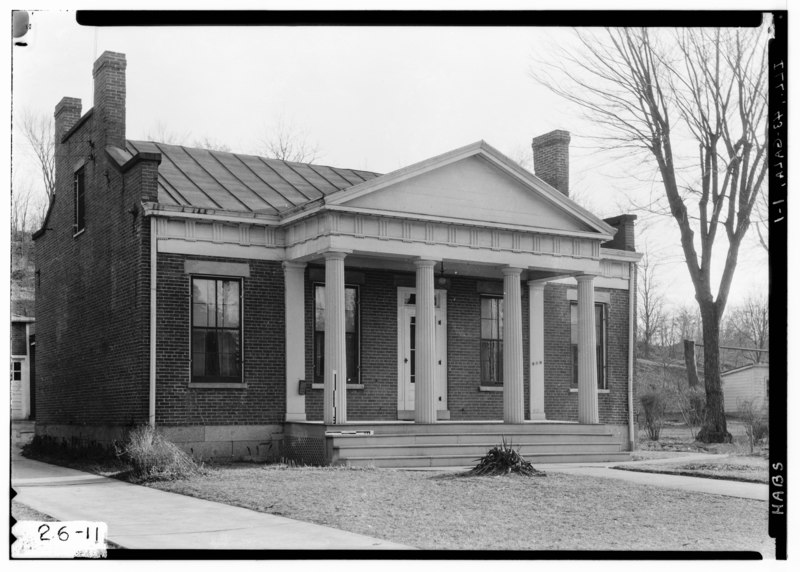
(216, 330)
(600, 343)
(79, 207)
(491, 340)
(351, 317)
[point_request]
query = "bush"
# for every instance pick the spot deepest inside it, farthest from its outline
(502, 460)
(654, 407)
(153, 458)
(756, 426)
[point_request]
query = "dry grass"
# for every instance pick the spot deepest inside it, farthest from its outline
(442, 511)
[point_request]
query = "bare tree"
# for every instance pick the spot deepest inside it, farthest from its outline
(749, 325)
(161, 134)
(651, 303)
(761, 221)
(20, 210)
(286, 142)
(38, 130)
(207, 142)
(668, 90)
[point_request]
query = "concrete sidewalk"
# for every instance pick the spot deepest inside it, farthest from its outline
(738, 489)
(145, 518)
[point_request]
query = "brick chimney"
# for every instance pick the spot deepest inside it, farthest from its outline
(551, 159)
(624, 239)
(67, 114)
(109, 100)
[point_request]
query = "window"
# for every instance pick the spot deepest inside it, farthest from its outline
(491, 340)
(16, 371)
(79, 214)
(216, 330)
(351, 317)
(600, 343)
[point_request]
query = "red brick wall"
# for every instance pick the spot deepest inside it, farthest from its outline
(378, 399)
(378, 322)
(560, 403)
(264, 399)
(92, 339)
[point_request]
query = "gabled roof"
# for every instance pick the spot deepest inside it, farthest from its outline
(530, 190)
(240, 183)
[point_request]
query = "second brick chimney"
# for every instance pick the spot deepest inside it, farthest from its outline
(109, 100)
(551, 159)
(67, 114)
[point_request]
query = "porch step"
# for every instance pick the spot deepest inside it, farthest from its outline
(410, 461)
(461, 428)
(462, 444)
(486, 439)
(473, 450)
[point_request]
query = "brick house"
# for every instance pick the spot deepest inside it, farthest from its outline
(250, 307)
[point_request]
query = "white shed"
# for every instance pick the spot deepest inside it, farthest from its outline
(745, 383)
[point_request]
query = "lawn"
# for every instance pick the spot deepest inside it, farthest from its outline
(432, 510)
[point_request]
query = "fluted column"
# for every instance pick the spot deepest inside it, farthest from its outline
(536, 340)
(587, 358)
(425, 390)
(513, 392)
(335, 402)
(294, 296)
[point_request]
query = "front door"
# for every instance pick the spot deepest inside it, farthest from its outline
(407, 348)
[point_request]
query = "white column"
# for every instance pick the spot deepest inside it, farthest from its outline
(335, 402)
(513, 391)
(587, 359)
(536, 341)
(425, 390)
(294, 296)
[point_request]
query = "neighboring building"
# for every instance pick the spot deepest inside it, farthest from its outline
(250, 307)
(747, 383)
(23, 329)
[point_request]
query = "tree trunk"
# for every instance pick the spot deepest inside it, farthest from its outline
(715, 427)
(691, 363)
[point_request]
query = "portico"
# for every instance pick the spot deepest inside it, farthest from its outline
(374, 225)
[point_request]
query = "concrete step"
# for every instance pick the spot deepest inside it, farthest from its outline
(473, 450)
(488, 439)
(411, 461)
(455, 427)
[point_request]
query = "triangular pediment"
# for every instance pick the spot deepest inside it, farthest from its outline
(474, 188)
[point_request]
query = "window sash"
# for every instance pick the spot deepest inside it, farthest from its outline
(216, 330)
(600, 344)
(352, 338)
(79, 216)
(491, 345)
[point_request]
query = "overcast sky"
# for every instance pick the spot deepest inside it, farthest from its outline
(368, 98)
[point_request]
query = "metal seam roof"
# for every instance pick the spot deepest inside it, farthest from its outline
(206, 178)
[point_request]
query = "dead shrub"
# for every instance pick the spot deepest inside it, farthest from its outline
(654, 407)
(154, 458)
(503, 459)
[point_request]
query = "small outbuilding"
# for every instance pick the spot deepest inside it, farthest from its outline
(750, 382)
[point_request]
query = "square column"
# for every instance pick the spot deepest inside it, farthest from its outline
(587, 359)
(335, 390)
(425, 390)
(294, 295)
(513, 390)
(536, 340)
